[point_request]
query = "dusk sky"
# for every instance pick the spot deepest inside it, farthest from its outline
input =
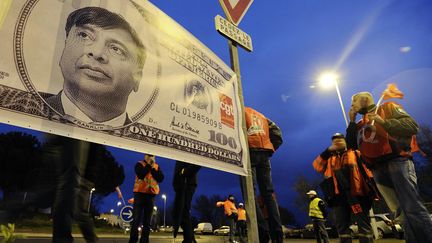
(369, 43)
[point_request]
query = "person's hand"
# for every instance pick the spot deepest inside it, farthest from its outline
(352, 114)
(332, 148)
(151, 161)
(375, 117)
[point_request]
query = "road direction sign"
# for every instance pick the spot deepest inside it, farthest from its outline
(235, 9)
(126, 213)
(232, 32)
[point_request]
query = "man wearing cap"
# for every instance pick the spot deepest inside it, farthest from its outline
(352, 188)
(148, 175)
(241, 222)
(384, 136)
(231, 213)
(318, 214)
(102, 64)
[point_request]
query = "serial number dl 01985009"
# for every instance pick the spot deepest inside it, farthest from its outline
(185, 111)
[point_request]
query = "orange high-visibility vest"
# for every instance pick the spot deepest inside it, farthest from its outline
(148, 185)
(241, 214)
(257, 130)
(374, 141)
(346, 159)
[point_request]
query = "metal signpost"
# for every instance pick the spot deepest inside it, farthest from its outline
(235, 10)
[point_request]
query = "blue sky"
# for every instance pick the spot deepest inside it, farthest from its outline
(370, 43)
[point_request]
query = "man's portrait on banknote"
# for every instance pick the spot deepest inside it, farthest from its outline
(101, 63)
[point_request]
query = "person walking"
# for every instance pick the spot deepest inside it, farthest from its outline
(184, 184)
(148, 175)
(318, 215)
(352, 191)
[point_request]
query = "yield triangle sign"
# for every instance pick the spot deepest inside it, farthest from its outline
(235, 9)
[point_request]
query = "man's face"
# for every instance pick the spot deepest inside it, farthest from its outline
(359, 102)
(101, 63)
(339, 143)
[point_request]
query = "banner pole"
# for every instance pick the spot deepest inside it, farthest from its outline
(246, 181)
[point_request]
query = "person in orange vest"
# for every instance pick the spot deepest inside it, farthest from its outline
(386, 136)
(351, 195)
(264, 138)
(147, 176)
(241, 222)
(231, 213)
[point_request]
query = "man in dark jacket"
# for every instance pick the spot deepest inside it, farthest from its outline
(384, 137)
(184, 184)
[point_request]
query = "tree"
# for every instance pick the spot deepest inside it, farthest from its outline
(206, 210)
(19, 161)
(286, 216)
(102, 165)
(302, 185)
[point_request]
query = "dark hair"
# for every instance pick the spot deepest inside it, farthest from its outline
(104, 19)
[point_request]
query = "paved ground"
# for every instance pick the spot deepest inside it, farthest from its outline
(106, 238)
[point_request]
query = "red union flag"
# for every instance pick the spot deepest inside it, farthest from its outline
(226, 110)
(235, 9)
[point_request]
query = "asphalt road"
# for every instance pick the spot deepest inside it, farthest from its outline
(168, 238)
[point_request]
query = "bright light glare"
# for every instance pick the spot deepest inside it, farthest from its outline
(112, 211)
(155, 208)
(327, 80)
(119, 203)
(163, 196)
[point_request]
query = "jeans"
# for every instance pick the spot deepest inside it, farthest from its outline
(261, 172)
(397, 182)
(184, 193)
(232, 225)
(344, 218)
(142, 209)
(320, 230)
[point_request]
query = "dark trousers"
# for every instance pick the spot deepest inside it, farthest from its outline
(142, 212)
(344, 218)
(320, 230)
(72, 191)
(261, 172)
(241, 229)
(232, 225)
(182, 205)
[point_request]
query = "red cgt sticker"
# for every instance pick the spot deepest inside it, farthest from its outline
(226, 110)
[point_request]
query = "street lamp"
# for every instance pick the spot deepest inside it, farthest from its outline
(112, 210)
(164, 198)
(119, 204)
(328, 80)
(90, 198)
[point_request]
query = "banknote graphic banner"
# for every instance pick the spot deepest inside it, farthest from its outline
(120, 73)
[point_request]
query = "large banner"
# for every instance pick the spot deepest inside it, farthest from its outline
(120, 73)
